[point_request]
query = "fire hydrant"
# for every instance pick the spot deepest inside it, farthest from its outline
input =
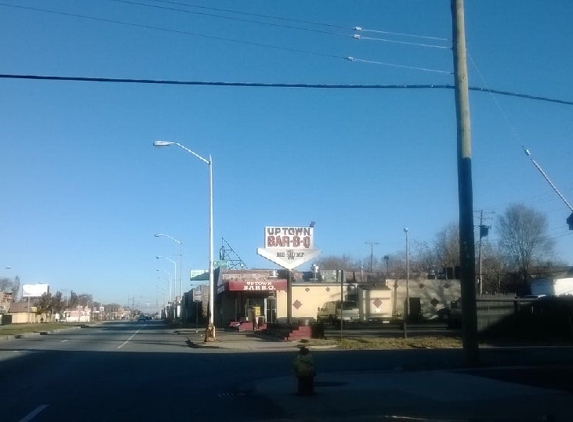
(304, 371)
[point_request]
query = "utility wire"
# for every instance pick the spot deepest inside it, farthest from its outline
(252, 14)
(401, 34)
(277, 85)
(525, 150)
(538, 167)
(256, 44)
(316, 23)
(360, 37)
(231, 18)
(354, 59)
(196, 34)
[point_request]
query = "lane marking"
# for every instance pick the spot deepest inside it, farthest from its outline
(33, 414)
(127, 341)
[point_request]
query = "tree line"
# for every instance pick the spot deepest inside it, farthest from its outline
(50, 304)
(523, 250)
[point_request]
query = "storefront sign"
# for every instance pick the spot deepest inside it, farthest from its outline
(257, 285)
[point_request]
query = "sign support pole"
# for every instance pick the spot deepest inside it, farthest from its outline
(341, 301)
(289, 297)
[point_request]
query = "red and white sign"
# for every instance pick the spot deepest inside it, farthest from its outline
(289, 247)
(257, 285)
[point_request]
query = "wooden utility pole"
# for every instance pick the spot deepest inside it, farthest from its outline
(465, 190)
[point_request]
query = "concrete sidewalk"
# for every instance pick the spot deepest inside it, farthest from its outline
(238, 341)
(405, 395)
(420, 396)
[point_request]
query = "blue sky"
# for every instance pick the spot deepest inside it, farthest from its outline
(84, 190)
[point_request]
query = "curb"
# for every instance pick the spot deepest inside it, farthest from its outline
(38, 333)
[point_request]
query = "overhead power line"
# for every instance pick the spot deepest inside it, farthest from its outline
(401, 34)
(275, 85)
(546, 177)
(401, 66)
(251, 43)
(258, 15)
(360, 37)
(258, 22)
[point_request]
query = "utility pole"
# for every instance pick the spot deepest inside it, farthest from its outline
(407, 310)
(465, 189)
(371, 253)
(480, 279)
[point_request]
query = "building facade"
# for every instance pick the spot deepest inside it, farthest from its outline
(242, 295)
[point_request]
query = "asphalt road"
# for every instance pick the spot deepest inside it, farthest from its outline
(125, 371)
(145, 371)
(130, 371)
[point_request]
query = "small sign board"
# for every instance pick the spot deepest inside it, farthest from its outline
(197, 296)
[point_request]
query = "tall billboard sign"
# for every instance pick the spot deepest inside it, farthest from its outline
(289, 247)
(35, 290)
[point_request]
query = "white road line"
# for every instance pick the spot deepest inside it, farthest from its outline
(35, 413)
(127, 341)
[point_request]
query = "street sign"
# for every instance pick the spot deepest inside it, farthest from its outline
(197, 296)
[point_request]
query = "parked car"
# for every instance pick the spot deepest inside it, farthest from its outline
(455, 315)
(332, 313)
(443, 314)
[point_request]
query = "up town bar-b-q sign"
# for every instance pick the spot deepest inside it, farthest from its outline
(288, 237)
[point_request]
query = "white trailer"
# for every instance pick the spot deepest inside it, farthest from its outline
(552, 287)
(374, 303)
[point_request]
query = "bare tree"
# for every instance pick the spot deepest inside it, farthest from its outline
(494, 270)
(44, 306)
(422, 258)
(523, 238)
(447, 246)
(343, 262)
(10, 285)
(74, 300)
(84, 299)
(58, 303)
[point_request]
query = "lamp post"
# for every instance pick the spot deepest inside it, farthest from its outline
(407, 275)
(180, 257)
(210, 333)
(169, 282)
(315, 271)
(180, 260)
(175, 273)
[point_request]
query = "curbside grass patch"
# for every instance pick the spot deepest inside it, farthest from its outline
(367, 343)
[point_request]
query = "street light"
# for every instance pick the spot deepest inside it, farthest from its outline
(175, 272)
(169, 282)
(180, 259)
(211, 329)
(315, 271)
(407, 275)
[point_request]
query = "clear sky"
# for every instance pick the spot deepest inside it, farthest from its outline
(84, 190)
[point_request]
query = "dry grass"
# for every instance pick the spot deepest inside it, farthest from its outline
(368, 343)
